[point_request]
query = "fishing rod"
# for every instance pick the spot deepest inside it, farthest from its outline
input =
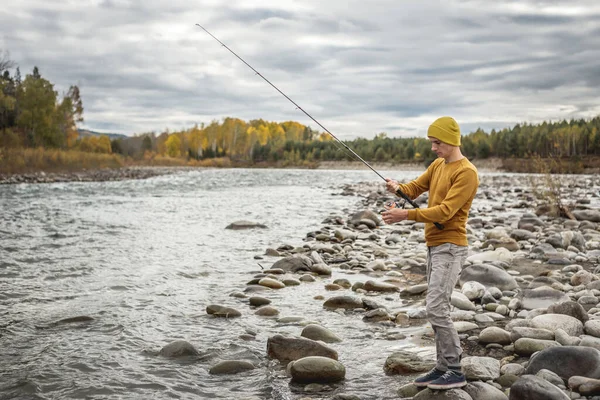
(399, 192)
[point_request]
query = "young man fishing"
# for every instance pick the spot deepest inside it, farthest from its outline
(452, 182)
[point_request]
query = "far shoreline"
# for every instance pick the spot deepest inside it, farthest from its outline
(492, 165)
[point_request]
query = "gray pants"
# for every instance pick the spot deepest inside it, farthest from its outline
(444, 263)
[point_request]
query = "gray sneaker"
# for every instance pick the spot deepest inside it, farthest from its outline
(431, 376)
(451, 379)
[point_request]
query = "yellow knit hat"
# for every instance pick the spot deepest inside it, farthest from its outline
(445, 129)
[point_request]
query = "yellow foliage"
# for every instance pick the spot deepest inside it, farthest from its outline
(232, 137)
(293, 130)
(325, 137)
(104, 145)
(263, 134)
(95, 144)
(173, 145)
(275, 133)
(72, 136)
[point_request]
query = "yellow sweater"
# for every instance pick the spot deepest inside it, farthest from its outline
(452, 188)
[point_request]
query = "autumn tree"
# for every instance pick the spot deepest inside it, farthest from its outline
(69, 113)
(173, 146)
(37, 103)
(95, 144)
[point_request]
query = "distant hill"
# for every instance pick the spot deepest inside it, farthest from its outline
(87, 132)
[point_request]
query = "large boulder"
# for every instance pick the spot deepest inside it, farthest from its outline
(227, 367)
(406, 362)
(288, 348)
(522, 234)
(318, 332)
(293, 264)
(519, 332)
(571, 308)
(376, 286)
(178, 348)
(530, 387)
(217, 310)
(361, 217)
(480, 368)
(493, 334)
(488, 275)
(481, 390)
(587, 215)
(585, 386)
(567, 361)
(346, 302)
(528, 346)
(552, 322)
(316, 370)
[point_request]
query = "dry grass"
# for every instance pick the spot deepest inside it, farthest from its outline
(14, 161)
(223, 162)
(156, 160)
(550, 187)
(29, 160)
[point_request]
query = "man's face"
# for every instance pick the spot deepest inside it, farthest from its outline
(440, 148)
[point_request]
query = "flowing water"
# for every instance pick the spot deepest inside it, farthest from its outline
(141, 259)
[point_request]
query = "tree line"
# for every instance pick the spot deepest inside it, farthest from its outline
(291, 143)
(31, 112)
(33, 115)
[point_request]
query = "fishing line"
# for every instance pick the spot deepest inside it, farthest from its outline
(399, 192)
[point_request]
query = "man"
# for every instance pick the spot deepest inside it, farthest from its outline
(452, 182)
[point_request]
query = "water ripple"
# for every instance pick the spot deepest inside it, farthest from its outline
(142, 260)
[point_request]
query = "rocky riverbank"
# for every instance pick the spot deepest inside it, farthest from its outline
(526, 307)
(99, 175)
(144, 172)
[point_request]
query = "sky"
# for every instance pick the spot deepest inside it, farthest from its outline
(358, 67)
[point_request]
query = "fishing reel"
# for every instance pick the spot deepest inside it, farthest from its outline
(391, 204)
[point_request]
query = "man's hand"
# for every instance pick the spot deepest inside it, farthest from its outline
(391, 185)
(394, 215)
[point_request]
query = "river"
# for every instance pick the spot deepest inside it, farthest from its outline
(142, 259)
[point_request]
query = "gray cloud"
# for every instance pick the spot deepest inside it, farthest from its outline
(359, 67)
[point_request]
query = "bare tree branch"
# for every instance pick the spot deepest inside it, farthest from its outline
(5, 61)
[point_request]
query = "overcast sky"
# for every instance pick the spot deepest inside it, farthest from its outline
(359, 67)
